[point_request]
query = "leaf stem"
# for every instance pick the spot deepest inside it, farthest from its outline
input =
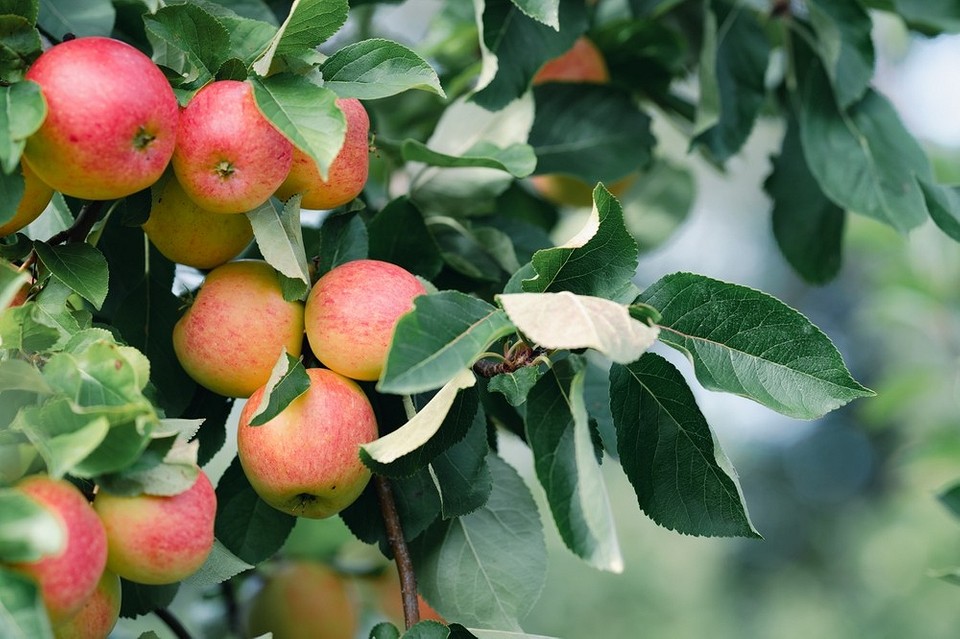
(401, 554)
(172, 623)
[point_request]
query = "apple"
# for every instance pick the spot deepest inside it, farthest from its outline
(187, 234)
(237, 328)
(67, 579)
(229, 158)
(306, 460)
(303, 600)
(36, 196)
(567, 190)
(99, 614)
(158, 539)
(351, 313)
(348, 171)
(583, 62)
(111, 119)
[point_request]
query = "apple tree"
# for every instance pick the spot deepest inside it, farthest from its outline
(435, 293)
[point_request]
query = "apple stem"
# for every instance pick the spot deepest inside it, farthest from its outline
(174, 624)
(401, 554)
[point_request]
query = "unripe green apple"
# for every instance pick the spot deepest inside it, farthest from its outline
(352, 311)
(303, 600)
(99, 614)
(582, 62)
(236, 329)
(306, 460)
(111, 119)
(187, 234)
(348, 171)
(68, 579)
(36, 196)
(229, 158)
(159, 539)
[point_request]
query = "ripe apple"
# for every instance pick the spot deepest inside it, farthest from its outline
(306, 460)
(187, 234)
(111, 119)
(229, 158)
(159, 540)
(36, 196)
(348, 171)
(582, 62)
(68, 579)
(99, 614)
(237, 327)
(303, 600)
(351, 313)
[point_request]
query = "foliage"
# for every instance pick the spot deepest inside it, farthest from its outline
(511, 335)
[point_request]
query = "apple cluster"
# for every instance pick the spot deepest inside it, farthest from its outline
(114, 127)
(144, 538)
(305, 461)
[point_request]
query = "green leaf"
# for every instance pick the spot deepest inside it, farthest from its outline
(943, 203)
(480, 252)
(558, 433)
(378, 68)
(930, 16)
(80, 266)
(280, 239)
(501, 634)
(683, 480)
(845, 46)
(516, 385)
(304, 112)
(251, 26)
(245, 524)
(427, 630)
(22, 614)
(23, 328)
(23, 111)
(461, 472)
(399, 235)
(29, 9)
(19, 46)
(486, 568)
(139, 599)
(287, 381)
(807, 225)
(746, 342)
(343, 238)
(62, 434)
(17, 374)
(657, 202)
(518, 160)
(221, 565)
(12, 187)
(599, 261)
(864, 159)
(79, 17)
(567, 321)
(443, 335)
(593, 132)
(188, 40)
(421, 427)
(28, 531)
(545, 11)
(384, 630)
(950, 498)
(308, 25)
(733, 65)
(515, 46)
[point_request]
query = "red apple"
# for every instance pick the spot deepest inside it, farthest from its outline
(348, 171)
(351, 313)
(582, 62)
(188, 234)
(303, 600)
(237, 328)
(306, 460)
(159, 540)
(99, 614)
(229, 158)
(111, 119)
(36, 196)
(68, 579)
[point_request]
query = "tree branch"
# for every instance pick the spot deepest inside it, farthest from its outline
(173, 623)
(401, 554)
